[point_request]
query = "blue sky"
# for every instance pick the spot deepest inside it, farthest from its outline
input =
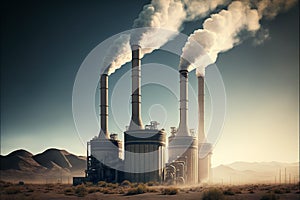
(44, 43)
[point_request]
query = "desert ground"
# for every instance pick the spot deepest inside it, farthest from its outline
(134, 191)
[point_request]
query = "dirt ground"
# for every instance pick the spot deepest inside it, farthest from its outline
(10, 191)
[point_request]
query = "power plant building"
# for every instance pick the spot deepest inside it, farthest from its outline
(144, 156)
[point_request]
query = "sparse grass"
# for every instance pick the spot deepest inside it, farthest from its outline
(169, 191)
(213, 194)
(60, 191)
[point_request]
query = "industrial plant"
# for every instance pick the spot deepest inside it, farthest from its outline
(142, 157)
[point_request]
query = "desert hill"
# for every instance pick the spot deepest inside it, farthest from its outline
(256, 172)
(53, 165)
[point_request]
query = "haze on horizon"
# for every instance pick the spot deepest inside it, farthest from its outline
(42, 52)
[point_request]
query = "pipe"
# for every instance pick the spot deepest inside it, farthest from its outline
(201, 86)
(104, 105)
(136, 121)
(183, 127)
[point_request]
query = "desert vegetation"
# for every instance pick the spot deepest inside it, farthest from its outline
(126, 189)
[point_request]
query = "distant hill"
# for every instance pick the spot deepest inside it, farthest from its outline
(50, 166)
(256, 172)
(55, 165)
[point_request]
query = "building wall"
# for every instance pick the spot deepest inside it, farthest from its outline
(205, 172)
(185, 149)
(144, 156)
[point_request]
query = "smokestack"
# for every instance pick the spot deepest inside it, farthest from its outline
(104, 105)
(201, 86)
(183, 127)
(136, 121)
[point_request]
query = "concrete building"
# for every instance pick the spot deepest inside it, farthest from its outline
(183, 147)
(145, 146)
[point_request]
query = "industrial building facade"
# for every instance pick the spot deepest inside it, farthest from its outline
(144, 156)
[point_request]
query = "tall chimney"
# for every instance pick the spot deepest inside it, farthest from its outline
(201, 86)
(183, 127)
(104, 105)
(136, 121)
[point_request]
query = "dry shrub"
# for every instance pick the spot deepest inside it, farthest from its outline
(107, 191)
(112, 185)
(151, 183)
(93, 190)
(102, 184)
(213, 194)
(121, 191)
(4, 184)
(69, 191)
(80, 190)
(126, 183)
(278, 191)
(152, 190)
(229, 191)
(12, 190)
(21, 183)
(88, 184)
(140, 189)
(270, 196)
(169, 191)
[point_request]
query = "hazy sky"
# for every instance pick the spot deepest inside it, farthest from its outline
(43, 44)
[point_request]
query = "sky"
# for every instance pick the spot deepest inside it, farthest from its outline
(43, 44)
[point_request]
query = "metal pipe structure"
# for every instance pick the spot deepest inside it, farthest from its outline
(183, 127)
(136, 121)
(205, 148)
(201, 135)
(104, 106)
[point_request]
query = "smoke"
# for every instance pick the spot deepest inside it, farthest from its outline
(219, 34)
(166, 14)
(196, 9)
(271, 8)
(118, 54)
(221, 31)
(261, 36)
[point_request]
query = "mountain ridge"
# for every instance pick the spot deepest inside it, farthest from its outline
(52, 164)
(59, 164)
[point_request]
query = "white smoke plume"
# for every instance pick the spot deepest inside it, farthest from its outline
(200, 8)
(166, 14)
(118, 54)
(221, 31)
(271, 8)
